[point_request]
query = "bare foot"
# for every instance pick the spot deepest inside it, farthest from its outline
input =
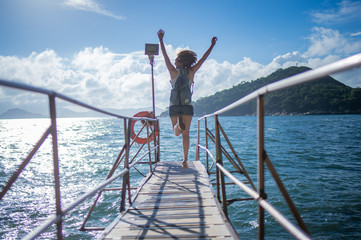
(185, 164)
(176, 129)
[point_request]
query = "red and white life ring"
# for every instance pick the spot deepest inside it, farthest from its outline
(151, 137)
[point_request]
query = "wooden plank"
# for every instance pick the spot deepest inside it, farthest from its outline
(174, 203)
(179, 232)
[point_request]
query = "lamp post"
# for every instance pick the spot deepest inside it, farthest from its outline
(151, 50)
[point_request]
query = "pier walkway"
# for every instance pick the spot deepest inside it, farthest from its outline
(173, 204)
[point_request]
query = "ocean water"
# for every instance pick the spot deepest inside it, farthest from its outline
(317, 157)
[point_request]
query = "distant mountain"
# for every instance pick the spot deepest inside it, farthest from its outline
(19, 113)
(64, 112)
(323, 96)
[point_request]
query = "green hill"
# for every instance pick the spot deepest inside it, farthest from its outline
(323, 96)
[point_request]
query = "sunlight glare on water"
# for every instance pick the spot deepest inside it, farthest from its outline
(317, 157)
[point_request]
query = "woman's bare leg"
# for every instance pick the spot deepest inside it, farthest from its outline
(185, 135)
(176, 130)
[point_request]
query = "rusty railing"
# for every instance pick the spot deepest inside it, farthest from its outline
(152, 128)
(260, 194)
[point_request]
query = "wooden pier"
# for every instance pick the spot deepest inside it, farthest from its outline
(173, 204)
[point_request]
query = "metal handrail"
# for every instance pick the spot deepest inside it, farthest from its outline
(260, 196)
(52, 130)
(256, 196)
(26, 87)
(81, 199)
(276, 214)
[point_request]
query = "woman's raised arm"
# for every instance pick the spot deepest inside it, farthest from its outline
(204, 57)
(172, 70)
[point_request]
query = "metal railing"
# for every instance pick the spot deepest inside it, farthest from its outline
(151, 124)
(262, 159)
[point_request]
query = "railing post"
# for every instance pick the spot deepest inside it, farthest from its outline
(260, 114)
(59, 225)
(220, 174)
(148, 143)
(126, 163)
(158, 149)
(156, 129)
(206, 138)
(157, 140)
(197, 146)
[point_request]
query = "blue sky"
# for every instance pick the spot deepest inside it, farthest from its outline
(93, 50)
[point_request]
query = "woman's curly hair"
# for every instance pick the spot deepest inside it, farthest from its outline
(187, 58)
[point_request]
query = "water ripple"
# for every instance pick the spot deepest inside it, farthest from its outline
(317, 157)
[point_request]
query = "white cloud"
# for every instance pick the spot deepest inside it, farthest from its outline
(345, 12)
(214, 76)
(355, 34)
(42, 69)
(102, 78)
(90, 6)
(328, 41)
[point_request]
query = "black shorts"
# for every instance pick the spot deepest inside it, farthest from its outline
(177, 110)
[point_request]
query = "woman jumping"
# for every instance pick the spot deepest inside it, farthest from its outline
(182, 75)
